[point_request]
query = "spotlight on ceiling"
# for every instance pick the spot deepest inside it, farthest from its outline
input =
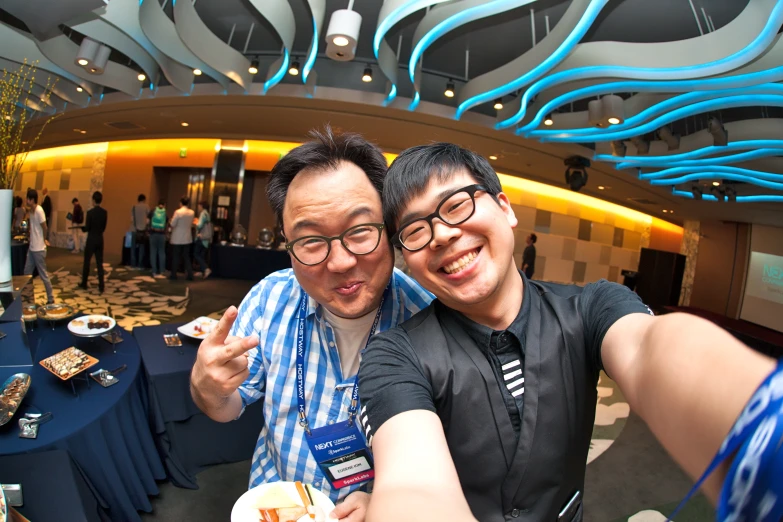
(79, 89)
(88, 50)
(253, 69)
(83, 131)
(576, 172)
(343, 34)
(716, 183)
(672, 140)
(612, 109)
(618, 148)
(498, 104)
(184, 124)
(641, 144)
(367, 76)
(548, 121)
(595, 114)
(719, 133)
(719, 192)
(493, 157)
(142, 77)
(101, 59)
(197, 72)
(731, 194)
(294, 69)
(601, 187)
(696, 191)
(449, 92)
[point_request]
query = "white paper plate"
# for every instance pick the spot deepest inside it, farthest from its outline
(205, 323)
(245, 511)
(79, 326)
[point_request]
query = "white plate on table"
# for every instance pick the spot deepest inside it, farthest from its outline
(198, 328)
(81, 325)
(245, 511)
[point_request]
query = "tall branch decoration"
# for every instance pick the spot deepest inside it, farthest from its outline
(18, 106)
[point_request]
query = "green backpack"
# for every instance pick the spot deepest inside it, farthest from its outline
(158, 221)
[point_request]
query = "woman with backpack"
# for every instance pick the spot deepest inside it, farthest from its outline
(158, 222)
(203, 237)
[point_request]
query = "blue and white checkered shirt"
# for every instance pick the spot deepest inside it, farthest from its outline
(270, 311)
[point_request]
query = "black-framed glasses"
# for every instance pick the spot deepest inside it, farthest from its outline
(358, 240)
(454, 209)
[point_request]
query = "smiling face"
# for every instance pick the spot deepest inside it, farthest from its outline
(326, 203)
(469, 267)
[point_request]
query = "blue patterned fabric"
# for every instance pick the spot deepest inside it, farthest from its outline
(270, 312)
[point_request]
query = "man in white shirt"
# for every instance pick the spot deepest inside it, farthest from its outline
(182, 238)
(36, 253)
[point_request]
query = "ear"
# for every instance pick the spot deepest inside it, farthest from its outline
(505, 205)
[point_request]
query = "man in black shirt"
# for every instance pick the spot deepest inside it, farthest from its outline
(483, 403)
(94, 226)
(529, 256)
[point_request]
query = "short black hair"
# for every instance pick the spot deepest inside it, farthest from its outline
(204, 204)
(327, 149)
(18, 201)
(97, 197)
(32, 194)
(75, 200)
(412, 170)
(533, 238)
(184, 200)
(141, 198)
(162, 202)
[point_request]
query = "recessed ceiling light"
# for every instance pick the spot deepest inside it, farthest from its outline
(716, 183)
(493, 157)
(184, 124)
(665, 211)
(601, 187)
(83, 62)
(340, 41)
(83, 131)
(142, 77)
(613, 121)
(197, 72)
(79, 89)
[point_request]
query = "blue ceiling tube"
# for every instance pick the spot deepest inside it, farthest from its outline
(308, 66)
(565, 48)
(660, 109)
(760, 198)
(716, 160)
(728, 102)
(624, 162)
(710, 175)
(600, 71)
(709, 170)
(274, 80)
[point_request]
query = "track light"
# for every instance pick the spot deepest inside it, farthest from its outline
(731, 194)
(498, 104)
(576, 172)
(642, 145)
(612, 109)
(142, 77)
(672, 140)
(294, 69)
(548, 121)
(253, 69)
(197, 72)
(719, 133)
(618, 148)
(343, 35)
(449, 92)
(696, 191)
(367, 76)
(719, 192)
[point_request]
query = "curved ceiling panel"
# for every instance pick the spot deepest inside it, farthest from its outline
(739, 42)
(539, 60)
(208, 47)
(280, 16)
(392, 12)
(162, 33)
(18, 47)
(318, 12)
(44, 17)
(126, 16)
(444, 18)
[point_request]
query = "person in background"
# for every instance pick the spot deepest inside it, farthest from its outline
(182, 238)
(77, 219)
(529, 256)
(46, 205)
(95, 226)
(19, 214)
(158, 222)
(139, 214)
(203, 238)
(36, 252)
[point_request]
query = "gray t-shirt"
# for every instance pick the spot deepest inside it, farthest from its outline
(139, 215)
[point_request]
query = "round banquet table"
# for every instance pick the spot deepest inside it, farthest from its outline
(104, 430)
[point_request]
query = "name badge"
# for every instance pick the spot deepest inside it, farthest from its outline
(342, 454)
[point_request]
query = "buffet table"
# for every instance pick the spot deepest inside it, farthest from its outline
(249, 263)
(105, 431)
(187, 439)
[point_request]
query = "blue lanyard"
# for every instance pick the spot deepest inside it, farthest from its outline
(300, 363)
(753, 489)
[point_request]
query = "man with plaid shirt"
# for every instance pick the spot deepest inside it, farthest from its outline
(342, 289)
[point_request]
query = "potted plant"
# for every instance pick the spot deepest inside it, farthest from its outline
(18, 105)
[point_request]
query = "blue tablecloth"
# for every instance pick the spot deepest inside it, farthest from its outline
(104, 430)
(14, 350)
(187, 439)
(18, 256)
(52, 486)
(248, 263)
